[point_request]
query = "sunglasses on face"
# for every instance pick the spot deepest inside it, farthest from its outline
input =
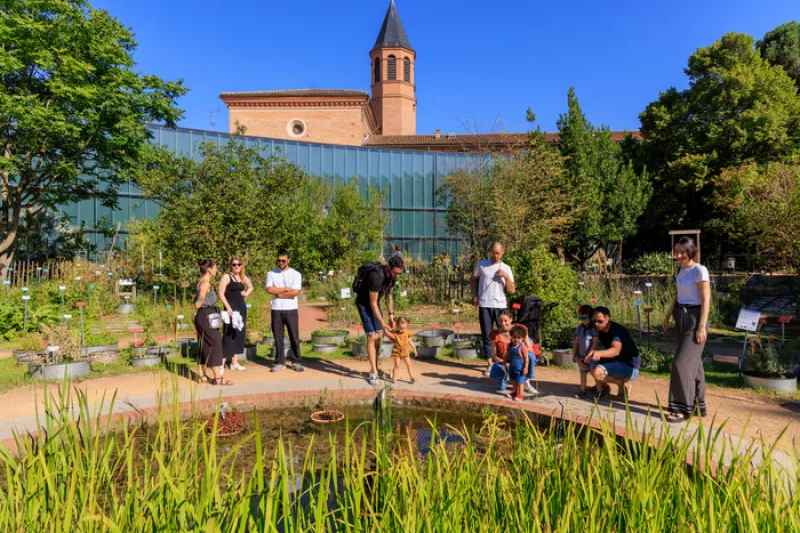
(599, 321)
(283, 260)
(584, 318)
(236, 264)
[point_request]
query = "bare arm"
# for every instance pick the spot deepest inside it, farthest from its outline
(412, 346)
(614, 351)
(705, 290)
(202, 293)
(389, 335)
(223, 283)
(276, 291)
(390, 308)
(249, 285)
(575, 348)
(288, 293)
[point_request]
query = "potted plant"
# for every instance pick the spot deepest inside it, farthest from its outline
(772, 366)
(465, 351)
(562, 356)
(100, 342)
(267, 337)
(358, 346)
(329, 336)
(63, 357)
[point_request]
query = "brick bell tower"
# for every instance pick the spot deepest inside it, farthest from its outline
(392, 63)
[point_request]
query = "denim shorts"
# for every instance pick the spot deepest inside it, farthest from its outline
(369, 320)
(616, 369)
(515, 374)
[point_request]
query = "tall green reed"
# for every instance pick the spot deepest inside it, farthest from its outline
(84, 474)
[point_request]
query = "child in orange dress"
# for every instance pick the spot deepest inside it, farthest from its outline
(403, 344)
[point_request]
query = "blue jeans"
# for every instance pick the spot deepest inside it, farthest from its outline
(369, 320)
(498, 371)
(616, 369)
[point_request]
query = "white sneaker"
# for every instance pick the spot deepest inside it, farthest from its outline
(238, 367)
(530, 388)
(487, 372)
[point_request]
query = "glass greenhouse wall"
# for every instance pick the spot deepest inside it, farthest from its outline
(416, 220)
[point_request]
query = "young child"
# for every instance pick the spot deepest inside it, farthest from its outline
(585, 344)
(403, 344)
(517, 362)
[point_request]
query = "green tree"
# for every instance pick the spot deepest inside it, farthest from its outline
(781, 47)
(234, 201)
(738, 107)
(762, 204)
(73, 109)
(610, 194)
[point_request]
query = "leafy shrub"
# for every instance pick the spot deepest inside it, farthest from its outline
(653, 263)
(773, 360)
(725, 309)
(652, 357)
(101, 339)
(540, 273)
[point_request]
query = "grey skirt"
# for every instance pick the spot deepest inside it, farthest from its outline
(687, 385)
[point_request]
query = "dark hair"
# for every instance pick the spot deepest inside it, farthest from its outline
(505, 312)
(586, 310)
(397, 247)
(403, 320)
(283, 251)
(602, 310)
(689, 246)
(205, 265)
(518, 332)
(396, 262)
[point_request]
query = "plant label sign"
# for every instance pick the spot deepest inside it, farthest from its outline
(6, 282)
(748, 320)
(62, 288)
(26, 297)
(346, 293)
(180, 317)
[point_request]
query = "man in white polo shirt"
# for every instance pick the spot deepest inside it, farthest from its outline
(284, 284)
(489, 281)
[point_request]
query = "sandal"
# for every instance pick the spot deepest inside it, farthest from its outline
(675, 418)
(204, 380)
(223, 382)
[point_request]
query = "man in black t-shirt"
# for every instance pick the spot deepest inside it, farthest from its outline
(378, 283)
(618, 362)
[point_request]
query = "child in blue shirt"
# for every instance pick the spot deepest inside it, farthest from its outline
(517, 362)
(585, 344)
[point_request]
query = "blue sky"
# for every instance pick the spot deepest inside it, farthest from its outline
(480, 65)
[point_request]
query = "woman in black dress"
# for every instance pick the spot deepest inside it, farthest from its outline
(207, 322)
(234, 287)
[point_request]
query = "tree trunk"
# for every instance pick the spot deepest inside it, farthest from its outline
(5, 261)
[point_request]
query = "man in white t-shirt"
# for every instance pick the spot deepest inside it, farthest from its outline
(284, 284)
(489, 281)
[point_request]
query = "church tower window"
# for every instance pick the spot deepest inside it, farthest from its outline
(392, 68)
(377, 69)
(407, 70)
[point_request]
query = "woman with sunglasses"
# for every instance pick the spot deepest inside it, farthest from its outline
(687, 385)
(234, 287)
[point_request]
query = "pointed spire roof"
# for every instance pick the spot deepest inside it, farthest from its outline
(392, 34)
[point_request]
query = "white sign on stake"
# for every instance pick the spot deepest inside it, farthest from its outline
(62, 288)
(748, 320)
(346, 293)
(67, 316)
(26, 297)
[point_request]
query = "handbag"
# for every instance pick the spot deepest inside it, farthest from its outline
(214, 320)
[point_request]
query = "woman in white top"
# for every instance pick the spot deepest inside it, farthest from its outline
(687, 386)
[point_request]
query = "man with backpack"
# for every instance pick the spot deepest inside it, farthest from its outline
(372, 282)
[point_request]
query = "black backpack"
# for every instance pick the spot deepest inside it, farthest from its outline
(363, 273)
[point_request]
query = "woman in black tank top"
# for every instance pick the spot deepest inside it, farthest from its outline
(234, 287)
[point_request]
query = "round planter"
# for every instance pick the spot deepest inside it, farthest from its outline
(162, 350)
(465, 353)
(269, 341)
(327, 417)
(100, 348)
(448, 335)
(125, 309)
(432, 337)
(463, 343)
(358, 349)
(105, 358)
(72, 370)
(250, 351)
(337, 339)
(187, 347)
(287, 349)
(27, 359)
(146, 360)
(788, 385)
(386, 350)
(428, 352)
(324, 348)
(20, 353)
(562, 357)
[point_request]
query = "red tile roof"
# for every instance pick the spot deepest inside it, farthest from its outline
(470, 139)
(298, 92)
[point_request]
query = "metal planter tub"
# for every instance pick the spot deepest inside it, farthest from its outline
(287, 348)
(787, 385)
(467, 352)
(324, 348)
(146, 360)
(269, 341)
(428, 352)
(161, 350)
(563, 357)
(250, 352)
(72, 370)
(338, 337)
(433, 337)
(100, 348)
(386, 350)
(105, 358)
(187, 347)
(28, 359)
(358, 349)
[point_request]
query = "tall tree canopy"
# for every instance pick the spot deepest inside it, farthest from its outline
(73, 109)
(610, 194)
(781, 46)
(234, 201)
(738, 107)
